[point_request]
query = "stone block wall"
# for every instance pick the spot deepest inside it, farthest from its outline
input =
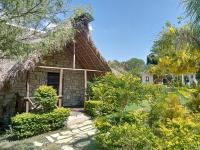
(73, 91)
(8, 99)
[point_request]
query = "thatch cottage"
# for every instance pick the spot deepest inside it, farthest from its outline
(67, 70)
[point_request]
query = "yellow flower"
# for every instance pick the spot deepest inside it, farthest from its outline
(172, 30)
(169, 143)
(183, 55)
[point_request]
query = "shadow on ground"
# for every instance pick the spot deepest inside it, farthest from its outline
(86, 144)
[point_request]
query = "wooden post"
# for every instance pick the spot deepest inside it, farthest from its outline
(74, 56)
(60, 88)
(27, 91)
(85, 79)
(183, 80)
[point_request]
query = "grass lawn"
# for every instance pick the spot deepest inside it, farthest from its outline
(143, 105)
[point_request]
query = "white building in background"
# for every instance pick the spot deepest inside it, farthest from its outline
(189, 80)
(147, 78)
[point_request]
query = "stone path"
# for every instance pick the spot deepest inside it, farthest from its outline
(79, 132)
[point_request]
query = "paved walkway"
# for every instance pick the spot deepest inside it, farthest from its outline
(78, 134)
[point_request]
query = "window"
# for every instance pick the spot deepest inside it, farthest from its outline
(53, 80)
(147, 79)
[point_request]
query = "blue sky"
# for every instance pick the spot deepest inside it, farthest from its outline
(123, 29)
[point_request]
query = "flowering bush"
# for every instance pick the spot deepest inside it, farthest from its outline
(168, 108)
(128, 137)
(180, 133)
(176, 134)
(136, 116)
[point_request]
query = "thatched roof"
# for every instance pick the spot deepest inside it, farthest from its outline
(86, 54)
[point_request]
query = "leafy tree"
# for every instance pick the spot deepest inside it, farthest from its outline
(152, 59)
(176, 55)
(114, 63)
(192, 8)
(117, 67)
(178, 48)
(134, 66)
(23, 21)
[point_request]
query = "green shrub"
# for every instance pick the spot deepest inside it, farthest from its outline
(128, 137)
(47, 97)
(104, 123)
(135, 133)
(155, 92)
(194, 104)
(28, 124)
(92, 108)
(161, 121)
(135, 117)
(117, 92)
(168, 108)
(180, 133)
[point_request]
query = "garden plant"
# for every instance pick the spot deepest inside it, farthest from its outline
(51, 118)
(158, 118)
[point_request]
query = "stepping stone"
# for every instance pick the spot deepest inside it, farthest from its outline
(80, 125)
(86, 127)
(55, 135)
(67, 147)
(63, 137)
(64, 140)
(75, 123)
(81, 136)
(74, 126)
(92, 132)
(83, 144)
(89, 129)
(38, 144)
(76, 131)
(87, 122)
(50, 139)
(66, 132)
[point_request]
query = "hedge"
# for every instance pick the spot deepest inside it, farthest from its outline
(92, 107)
(28, 124)
(128, 137)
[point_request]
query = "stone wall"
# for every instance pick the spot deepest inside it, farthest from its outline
(73, 84)
(8, 99)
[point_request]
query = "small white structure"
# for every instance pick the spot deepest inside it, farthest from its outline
(147, 78)
(191, 80)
